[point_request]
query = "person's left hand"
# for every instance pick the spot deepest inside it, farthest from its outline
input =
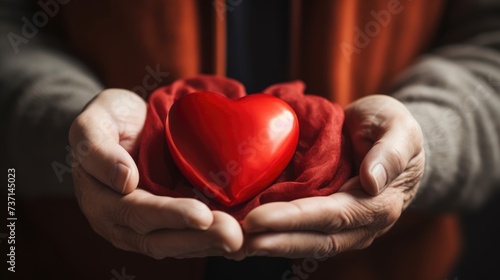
(388, 147)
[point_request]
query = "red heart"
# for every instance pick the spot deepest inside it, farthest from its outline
(231, 149)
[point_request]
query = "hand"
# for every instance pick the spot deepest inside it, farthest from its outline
(105, 176)
(388, 147)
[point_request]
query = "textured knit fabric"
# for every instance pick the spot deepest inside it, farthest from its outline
(454, 93)
(42, 89)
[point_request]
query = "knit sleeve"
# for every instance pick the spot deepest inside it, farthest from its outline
(454, 93)
(42, 89)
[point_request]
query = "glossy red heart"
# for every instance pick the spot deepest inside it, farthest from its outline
(231, 149)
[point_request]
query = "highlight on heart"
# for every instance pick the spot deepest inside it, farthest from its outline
(248, 150)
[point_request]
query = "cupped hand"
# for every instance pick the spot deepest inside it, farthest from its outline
(105, 176)
(388, 147)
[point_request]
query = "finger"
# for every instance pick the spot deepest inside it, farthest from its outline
(236, 256)
(228, 230)
(96, 135)
(307, 244)
(329, 214)
(139, 210)
(144, 212)
(101, 206)
(351, 184)
(224, 236)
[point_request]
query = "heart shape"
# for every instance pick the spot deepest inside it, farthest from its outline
(231, 149)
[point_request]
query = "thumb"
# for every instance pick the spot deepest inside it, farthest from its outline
(95, 141)
(400, 139)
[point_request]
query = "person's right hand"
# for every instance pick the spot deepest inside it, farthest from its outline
(102, 138)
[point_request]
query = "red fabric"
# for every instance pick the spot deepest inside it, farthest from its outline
(321, 163)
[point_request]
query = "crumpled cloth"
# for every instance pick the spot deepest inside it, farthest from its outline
(321, 164)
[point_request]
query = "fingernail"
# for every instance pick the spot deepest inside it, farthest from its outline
(119, 177)
(380, 176)
(226, 248)
(259, 253)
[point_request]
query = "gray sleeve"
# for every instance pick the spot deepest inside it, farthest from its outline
(454, 93)
(42, 89)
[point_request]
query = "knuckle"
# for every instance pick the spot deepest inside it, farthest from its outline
(385, 214)
(76, 129)
(414, 126)
(84, 148)
(98, 224)
(335, 219)
(372, 213)
(392, 215)
(410, 178)
(91, 150)
(416, 135)
(329, 218)
(368, 212)
(332, 247)
(88, 210)
(113, 237)
(78, 180)
(99, 229)
(413, 131)
(128, 240)
(128, 216)
(344, 219)
(146, 248)
(124, 215)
